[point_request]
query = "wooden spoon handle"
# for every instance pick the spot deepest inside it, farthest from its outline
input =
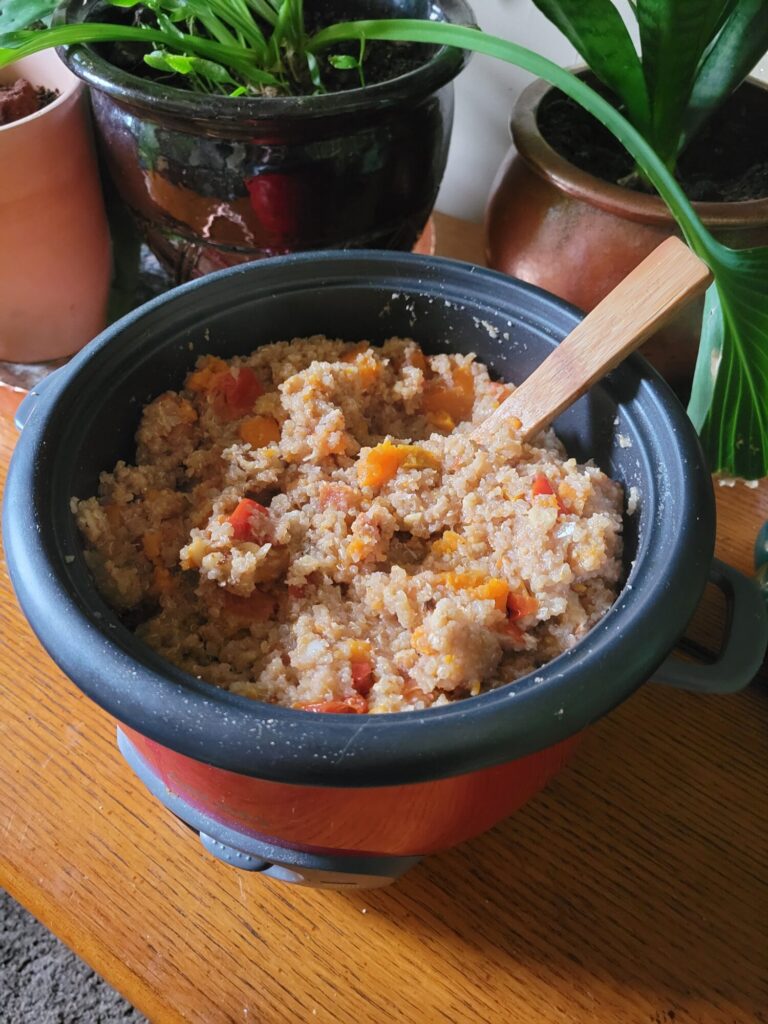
(646, 299)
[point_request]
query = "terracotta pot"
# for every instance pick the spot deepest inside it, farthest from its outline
(215, 181)
(54, 242)
(556, 226)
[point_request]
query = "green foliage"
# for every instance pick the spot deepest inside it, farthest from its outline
(729, 406)
(701, 51)
(20, 14)
(694, 53)
(237, 47)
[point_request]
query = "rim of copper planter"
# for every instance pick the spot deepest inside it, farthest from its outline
(143, 93)
(548, 164)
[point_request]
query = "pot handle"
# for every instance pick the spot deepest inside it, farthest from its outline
(27, 405)
(746, 637)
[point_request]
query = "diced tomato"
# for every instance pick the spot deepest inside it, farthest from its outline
(234, 392)
(338, 496)
(362, 676)
(412, 692)
(241, 519)
(521, 603)
(351, 706)
(541, 485)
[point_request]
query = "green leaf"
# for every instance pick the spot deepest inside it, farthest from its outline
(674, 35)
(313, 66)
(265, 9)
(741, 42)
(343, 62)
(181, 64)
(18, 14)
(729, 402)
(15, 45)
(597, 31)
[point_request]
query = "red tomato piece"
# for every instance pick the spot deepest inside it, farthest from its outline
(541, 485)
(520, 603)
(241, 519)
(362, 676)
(234, 395)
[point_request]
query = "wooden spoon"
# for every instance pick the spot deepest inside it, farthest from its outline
(646, 299)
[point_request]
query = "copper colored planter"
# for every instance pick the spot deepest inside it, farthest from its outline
(558, 227)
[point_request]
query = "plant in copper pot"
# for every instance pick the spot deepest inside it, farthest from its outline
(230, 139)
(572, 211)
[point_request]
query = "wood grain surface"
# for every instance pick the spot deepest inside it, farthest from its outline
(632, 891)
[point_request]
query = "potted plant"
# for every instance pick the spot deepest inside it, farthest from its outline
(229, 141)
(730, 392)
(54, 256)
(571, 212)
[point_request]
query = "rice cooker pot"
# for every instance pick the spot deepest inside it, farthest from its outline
(299, 794)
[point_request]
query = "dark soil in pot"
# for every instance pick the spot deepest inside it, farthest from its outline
(21, 99)
(382, 61)
(726, 162)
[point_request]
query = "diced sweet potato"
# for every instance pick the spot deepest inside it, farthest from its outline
(446, 544)
(484, 588)
(259, 431)
(381, 463)
(201, 379)
(457, 400)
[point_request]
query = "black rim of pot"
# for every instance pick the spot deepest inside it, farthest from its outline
(161, 701)
(135, 91)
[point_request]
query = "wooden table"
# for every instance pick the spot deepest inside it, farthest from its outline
(633, 891)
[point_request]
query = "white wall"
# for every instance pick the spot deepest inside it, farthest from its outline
(485, 95)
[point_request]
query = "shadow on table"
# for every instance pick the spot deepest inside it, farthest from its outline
(641, 868)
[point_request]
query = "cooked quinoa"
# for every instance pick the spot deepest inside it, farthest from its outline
(313, 526)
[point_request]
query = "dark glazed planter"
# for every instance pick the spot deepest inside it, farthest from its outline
(560, 228)
(280, 790)
(214, 181)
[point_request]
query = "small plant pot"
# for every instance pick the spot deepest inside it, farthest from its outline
(556, 226)
(54, 241)
(215, 181)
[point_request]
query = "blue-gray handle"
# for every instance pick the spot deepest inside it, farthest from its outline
(761, 560)
(28, 404)
(746, 638)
